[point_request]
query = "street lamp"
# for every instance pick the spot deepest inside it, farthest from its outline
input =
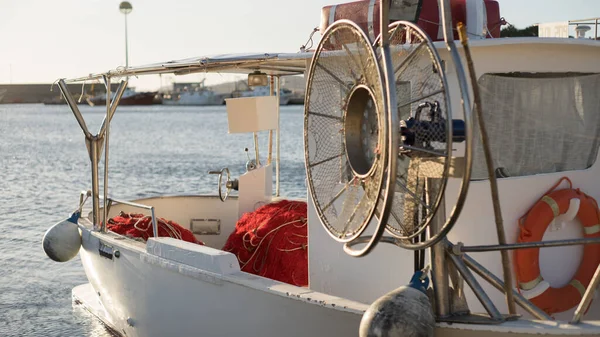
(126, 8)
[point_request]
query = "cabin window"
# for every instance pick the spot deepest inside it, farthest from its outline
(539, 123)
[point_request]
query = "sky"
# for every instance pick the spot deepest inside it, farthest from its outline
(41, 40)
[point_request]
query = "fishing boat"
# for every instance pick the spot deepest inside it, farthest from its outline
(198, 96)
(130, 97)
(284, 94)
(439, 174)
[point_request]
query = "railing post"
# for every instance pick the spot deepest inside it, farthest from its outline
(588, 296)
(439, 268)
(94, 146)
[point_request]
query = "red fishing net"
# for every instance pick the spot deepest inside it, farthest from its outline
(272, 242)
(140, 226)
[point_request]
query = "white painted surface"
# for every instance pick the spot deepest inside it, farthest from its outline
(183, 209)
(517, 194)
(252, 114)
(255, 189)
(162, 297)
(201, 257)
(476, 19)
(141, 294)
(362, 279)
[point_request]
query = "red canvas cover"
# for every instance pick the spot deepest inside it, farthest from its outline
(365, 14)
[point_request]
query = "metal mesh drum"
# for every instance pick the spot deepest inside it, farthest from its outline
(345, 131)
(425, 130)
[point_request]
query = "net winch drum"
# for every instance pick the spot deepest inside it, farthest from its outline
(346, 131)
(351, 167)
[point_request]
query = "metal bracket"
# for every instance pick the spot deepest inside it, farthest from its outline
(105, 250)
(205, 226)
(94, 143)
(477, 289)
(457, 249)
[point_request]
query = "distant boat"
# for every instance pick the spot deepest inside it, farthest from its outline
(197, 97)
(130, 97)
(54, 101)
(284, 94)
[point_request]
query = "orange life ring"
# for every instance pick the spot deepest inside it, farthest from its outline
(532, 229)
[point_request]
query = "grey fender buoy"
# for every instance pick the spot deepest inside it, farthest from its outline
(62, 241)
(403, 312)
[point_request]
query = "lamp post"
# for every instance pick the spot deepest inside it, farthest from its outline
(126, 8)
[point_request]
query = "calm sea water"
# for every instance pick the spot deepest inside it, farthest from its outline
(153, 150)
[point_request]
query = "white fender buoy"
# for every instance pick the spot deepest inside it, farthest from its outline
(61, 242)
(405, 311)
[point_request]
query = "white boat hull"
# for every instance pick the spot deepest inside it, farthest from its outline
(195, 99)
(142, 294)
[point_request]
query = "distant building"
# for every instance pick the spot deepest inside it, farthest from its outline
(570, 29)
(40, 93)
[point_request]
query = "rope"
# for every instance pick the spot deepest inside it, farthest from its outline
(303, 47)
(160, 223)
(82, 203)
(524, 230)
(502, 22)
(82, 91)
(272, 242)
(53, 84)
(255, 248)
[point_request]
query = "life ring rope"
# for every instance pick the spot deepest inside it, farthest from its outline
(552, 210)
(522, 219)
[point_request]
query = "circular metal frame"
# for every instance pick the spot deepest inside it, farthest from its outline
(354, 135)
(405, 241)
(223, 195)
(383, 148)
(391, 126)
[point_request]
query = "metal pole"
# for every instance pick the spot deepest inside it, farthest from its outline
(126, 45)
(93, 144)
(526, 245)
(498, 284)
(74, 108)
(507, 272)
(154, 224)
(446, 12)
(476, 287)
(596, 29)
(270, 154)
(256, 154)
(278, 82)
(439, 269)
(106, 137)
(113, 106)
(83, 194)
(587, 297)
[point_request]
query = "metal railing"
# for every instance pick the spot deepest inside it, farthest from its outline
(132, 204)
(84, 195)
(459, 250)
